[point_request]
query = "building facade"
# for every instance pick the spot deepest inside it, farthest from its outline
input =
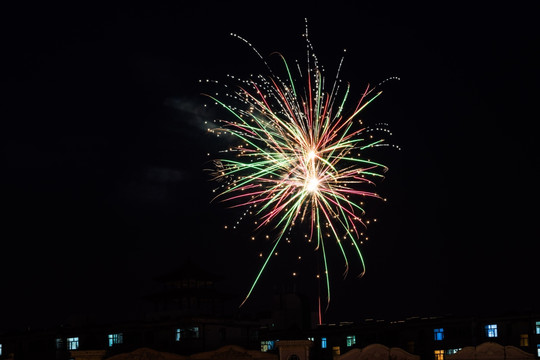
(188, 319)
(431, 338)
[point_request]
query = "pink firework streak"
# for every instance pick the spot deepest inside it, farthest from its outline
(299, 159)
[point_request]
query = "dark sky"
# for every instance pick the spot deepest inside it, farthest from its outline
(103, 150)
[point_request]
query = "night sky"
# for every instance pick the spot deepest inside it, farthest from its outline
(104, 146)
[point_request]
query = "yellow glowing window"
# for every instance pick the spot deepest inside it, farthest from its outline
(439, 354)
(524, 340)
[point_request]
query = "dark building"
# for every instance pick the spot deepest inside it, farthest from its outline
(432, 338)
(190, 316)
(188, 291)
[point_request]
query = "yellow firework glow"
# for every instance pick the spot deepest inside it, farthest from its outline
(299, 157)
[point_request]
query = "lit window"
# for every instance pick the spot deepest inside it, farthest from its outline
(351, 340)
(116, 339)
(524, 340)
(59, 344)
(311, 338)
(187, 333)
(0, 349)
(538, 327)
(267, 345)
(538, 350)
(73, 343)
(336, 351)
(491, 330)
(438, 334)
(451, 351)
(439, 354)
(194, 332)
(323, 343)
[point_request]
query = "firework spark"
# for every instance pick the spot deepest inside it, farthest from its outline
(299, 156)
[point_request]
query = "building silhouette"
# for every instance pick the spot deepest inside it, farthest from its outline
(189, 319)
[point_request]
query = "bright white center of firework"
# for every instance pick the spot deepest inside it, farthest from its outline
(312, 184)
(311, 155)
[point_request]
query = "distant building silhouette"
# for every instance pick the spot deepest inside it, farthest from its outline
(190, 322)
(188, 291)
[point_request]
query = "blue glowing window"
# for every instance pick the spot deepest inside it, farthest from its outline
(323, 343)
(538, 327)
(351, 340)
(116, 339)
(59, 344)
(491, 330)
(438, 334)
(267, 345)
(73, 343)
(187, 333)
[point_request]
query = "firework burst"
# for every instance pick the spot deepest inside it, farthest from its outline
(299, 157)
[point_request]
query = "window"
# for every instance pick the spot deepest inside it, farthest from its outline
(438, 334)
(451, 351)
(537, 327)
(116, 339)
(491, 330)
(311, 338)
(439, 354)
(73, 343)
(187, 333)
(323, 343)
(0, 349)
(267, 345)
(336, 351)
(351, 340)
(538, 350)
(524, 340)
(59, 344)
